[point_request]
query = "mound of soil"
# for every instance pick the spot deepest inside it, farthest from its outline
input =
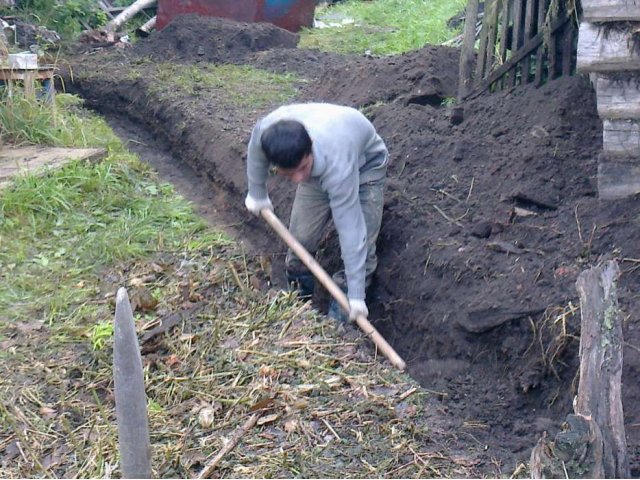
(192, 39)
(486, 224)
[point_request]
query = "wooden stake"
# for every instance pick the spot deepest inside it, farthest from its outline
(131, 400)
(331, 286)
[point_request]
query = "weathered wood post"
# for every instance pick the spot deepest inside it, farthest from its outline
(601, 343)
(131, 400)
(467, 58)
(593, 443)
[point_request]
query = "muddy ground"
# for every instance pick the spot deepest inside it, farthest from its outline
(486, 224)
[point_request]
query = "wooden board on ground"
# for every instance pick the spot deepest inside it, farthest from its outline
(36, 159)
(605, 49)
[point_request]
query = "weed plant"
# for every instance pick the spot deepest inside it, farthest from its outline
(382, 27)
(68, 18)
(29, 121)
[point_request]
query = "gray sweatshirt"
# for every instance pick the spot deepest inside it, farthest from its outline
(347, 152)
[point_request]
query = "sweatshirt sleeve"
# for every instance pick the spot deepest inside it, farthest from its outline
(352, 232)
(257, 166)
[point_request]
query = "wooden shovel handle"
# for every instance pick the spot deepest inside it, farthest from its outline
(335, 291)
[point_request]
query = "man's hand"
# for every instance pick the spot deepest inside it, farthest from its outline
(254, 206)
(357, 308)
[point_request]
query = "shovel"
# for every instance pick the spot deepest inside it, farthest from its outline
(335, 291)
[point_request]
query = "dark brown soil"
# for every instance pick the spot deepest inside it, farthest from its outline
(486, 225)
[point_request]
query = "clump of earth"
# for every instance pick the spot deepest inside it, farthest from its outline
(486, 226)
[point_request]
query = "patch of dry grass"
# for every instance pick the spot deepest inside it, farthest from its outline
(331, 408)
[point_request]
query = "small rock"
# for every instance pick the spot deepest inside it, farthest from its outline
(455, 230)
(482, 229)
(457, 116)
(498, 132)
(458, 153)
(206, 417)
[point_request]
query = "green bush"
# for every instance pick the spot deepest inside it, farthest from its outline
(67, 17)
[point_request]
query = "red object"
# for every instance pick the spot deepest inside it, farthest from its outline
(289, 14)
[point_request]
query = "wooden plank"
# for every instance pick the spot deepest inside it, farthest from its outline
(35, 159)
(621, 138)
(467, 55)
(553, 55)
(606, 50)
(503, 34)
(567, 50)
(484, 36)
(493, 32)
(528, 28)
(105, 7)
(618, 97)
(516, 44)
(594, 11)
(617, 180)
(540, 54)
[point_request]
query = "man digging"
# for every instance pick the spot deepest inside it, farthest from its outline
(339, 162)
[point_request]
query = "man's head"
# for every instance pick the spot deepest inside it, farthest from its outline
(287, 145)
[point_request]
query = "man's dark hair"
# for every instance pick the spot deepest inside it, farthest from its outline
(286, 143)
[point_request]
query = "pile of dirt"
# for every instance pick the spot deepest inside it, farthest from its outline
(486, 225)
(191, 38)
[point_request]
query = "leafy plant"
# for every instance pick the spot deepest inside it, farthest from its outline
(448, 102)
(68, 17)
(100, 333)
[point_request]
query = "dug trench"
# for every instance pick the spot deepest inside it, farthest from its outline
(486, 224)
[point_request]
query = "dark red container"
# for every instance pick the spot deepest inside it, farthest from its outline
(289, 14)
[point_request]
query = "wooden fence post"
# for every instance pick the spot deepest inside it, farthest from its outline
(467, 54)
(467, 57)
(593, 443)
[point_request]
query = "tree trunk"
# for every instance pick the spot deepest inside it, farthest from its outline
(599, 391)
(127, 14)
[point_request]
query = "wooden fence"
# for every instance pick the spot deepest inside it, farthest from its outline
(609, 50)
(521, 41)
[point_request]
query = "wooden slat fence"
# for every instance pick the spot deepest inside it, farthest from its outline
(521, 42)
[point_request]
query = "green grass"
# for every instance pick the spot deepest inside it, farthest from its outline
(59, 231)
(241, 85)
(64, 124)
(383, 27)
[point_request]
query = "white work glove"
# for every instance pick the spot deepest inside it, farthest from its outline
(356, 308)
(254, 206)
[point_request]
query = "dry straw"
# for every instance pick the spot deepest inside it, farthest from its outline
(328, 406)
